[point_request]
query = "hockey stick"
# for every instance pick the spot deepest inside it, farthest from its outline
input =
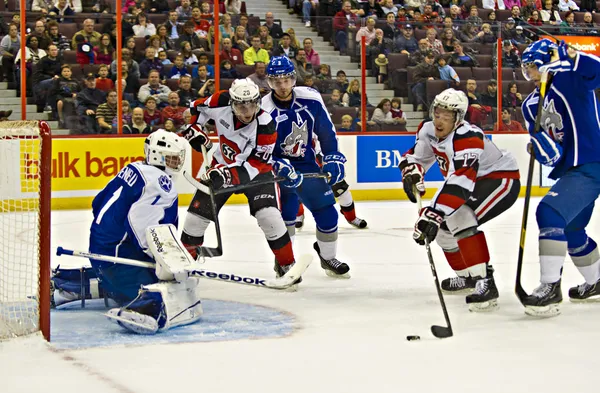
(519, 291)
(436, 330)
(282, 282)
(203, 251)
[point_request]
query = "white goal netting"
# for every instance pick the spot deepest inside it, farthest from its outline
(20, 223)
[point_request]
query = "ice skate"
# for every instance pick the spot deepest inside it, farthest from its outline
(299, 221)
(280, 271)
(358, 223)
(333, 267)
(349, 214)
(544, 301)
(485, 296)
(585, 293)
(458, 285)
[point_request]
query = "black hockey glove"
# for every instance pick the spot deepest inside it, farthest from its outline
(427, 225)
(412, 177)
(197, 138)
(220, 176)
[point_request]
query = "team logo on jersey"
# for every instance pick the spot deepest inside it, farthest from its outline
(294, 145)
(552, 121)
(165, 183)
(229, 150)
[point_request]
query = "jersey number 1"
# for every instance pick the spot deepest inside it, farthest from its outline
(110, 202)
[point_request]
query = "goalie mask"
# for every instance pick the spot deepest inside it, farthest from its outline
(245, 99)
(165, 150)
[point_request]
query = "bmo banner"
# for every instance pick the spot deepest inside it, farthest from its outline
(379, 155)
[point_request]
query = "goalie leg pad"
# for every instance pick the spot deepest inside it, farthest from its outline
(173, 261)
(181, 303)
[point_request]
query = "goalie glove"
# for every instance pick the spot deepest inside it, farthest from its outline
(284, 168)
(219, 176)
(333, 164)
(545, 149)
(197, 138)
(427, 225)
(412, 177)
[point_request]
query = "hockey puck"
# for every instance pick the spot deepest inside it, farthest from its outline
(413, 338)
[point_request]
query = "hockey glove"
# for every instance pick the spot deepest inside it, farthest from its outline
(284, 168)
(197, 138)
(427, 225)
(545, 149)
(561, 60)
(219, 176)
(333, 164)
(412, 177)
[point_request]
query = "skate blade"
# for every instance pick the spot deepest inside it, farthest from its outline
(466, 291)
(591, 299)
(549, 311)
(489, 306)
(331, 274)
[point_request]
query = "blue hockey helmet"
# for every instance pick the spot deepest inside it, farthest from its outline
(539, 53)
(279, 68)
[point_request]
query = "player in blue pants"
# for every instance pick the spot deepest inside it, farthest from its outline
(568, 141)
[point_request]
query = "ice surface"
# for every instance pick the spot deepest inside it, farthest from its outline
(348, 335)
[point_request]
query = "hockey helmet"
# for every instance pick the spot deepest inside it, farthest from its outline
(539, 53)
(280, 67)
(245, 99)
(451, 100)
(166, 150)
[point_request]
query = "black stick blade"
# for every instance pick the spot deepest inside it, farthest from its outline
(441, 331)
(209, 252)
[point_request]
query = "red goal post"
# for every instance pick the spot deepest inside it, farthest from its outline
(25, 180)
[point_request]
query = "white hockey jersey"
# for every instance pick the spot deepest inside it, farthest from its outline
(244, 148)
(464, 157)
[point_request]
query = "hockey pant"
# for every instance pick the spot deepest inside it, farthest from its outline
(464, 245)
(562, 216)
(263, 201)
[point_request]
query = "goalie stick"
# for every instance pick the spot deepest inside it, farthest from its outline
(282, 282)
(436, 330)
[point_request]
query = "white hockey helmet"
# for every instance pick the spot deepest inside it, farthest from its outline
(451, 100)
(166, 150)
(245, 99)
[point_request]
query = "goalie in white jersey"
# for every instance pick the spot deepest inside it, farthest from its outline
(481, 182)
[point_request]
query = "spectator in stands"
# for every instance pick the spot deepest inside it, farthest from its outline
(131, 86)
(61, 11)
(567, 26)
(324, 73)
(528, 8)
(203, 60)
(589, 6)
(550, 13)
(233, 7)
(407, 43)
(419, 56)
(201, 79)
(173, 26)
(461, 59)
(383, 114)
(162, 57)
(9, 46)
(173, 111)
(372, 8)
(347, 124)
(154, 89)
(473, 17)
(226, 30)
(184, 11)
(33, 54)
(493, 4)
(44, 74)
(260, 77)
(309, 81)
(295, 43)
(65, 91)
(567, 5)
(255, 53)
(266, 41)
(448, 39)
(103, 83)
(397, 112)
(164, 41)
(590, 27)
(143, 27)
(302, 66)
(430, 18)
(170, 125)
(187, 120)
(391, 30)
(467, 33)
(447, 73)
(284, 48)
(158, 6)
(179, 69)
(230, 53)
(345, 22)
(312, 56)
(126, 25)
(103, 53)
(509, 31)
(245, 22)
(228, 71)
(106, 113)
(507, 124)
(275, 30)
(334, 101)
(88, 33)
(152, 116)
(76, 5)
(132, 65)
(368, 31)
(40, 32)
(490, 97)
(87, 102)
(239, 40)
(186, 93)
(520, 37)
(476, 113)
(307, 7)
(388, 6)
(424, 71)
(486, 35)
(189, 58)
(341, 82)
(379, 46)
(455, 14)
(137, 124)
(150, 63)
(190, 36)
(512, 99)
(43, 6)
(434, 43)
(515, 8)
(352, 97)
(510, 56)
(535, 19)
(201, 21)
(207, 89)
(55, 38)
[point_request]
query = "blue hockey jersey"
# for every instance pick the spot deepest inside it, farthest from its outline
(296, 122)
(140, 195)
(570, 113)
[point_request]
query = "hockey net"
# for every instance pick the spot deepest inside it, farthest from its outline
(25, 159)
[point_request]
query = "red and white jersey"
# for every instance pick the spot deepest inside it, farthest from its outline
(244, 148)
(464, 157)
